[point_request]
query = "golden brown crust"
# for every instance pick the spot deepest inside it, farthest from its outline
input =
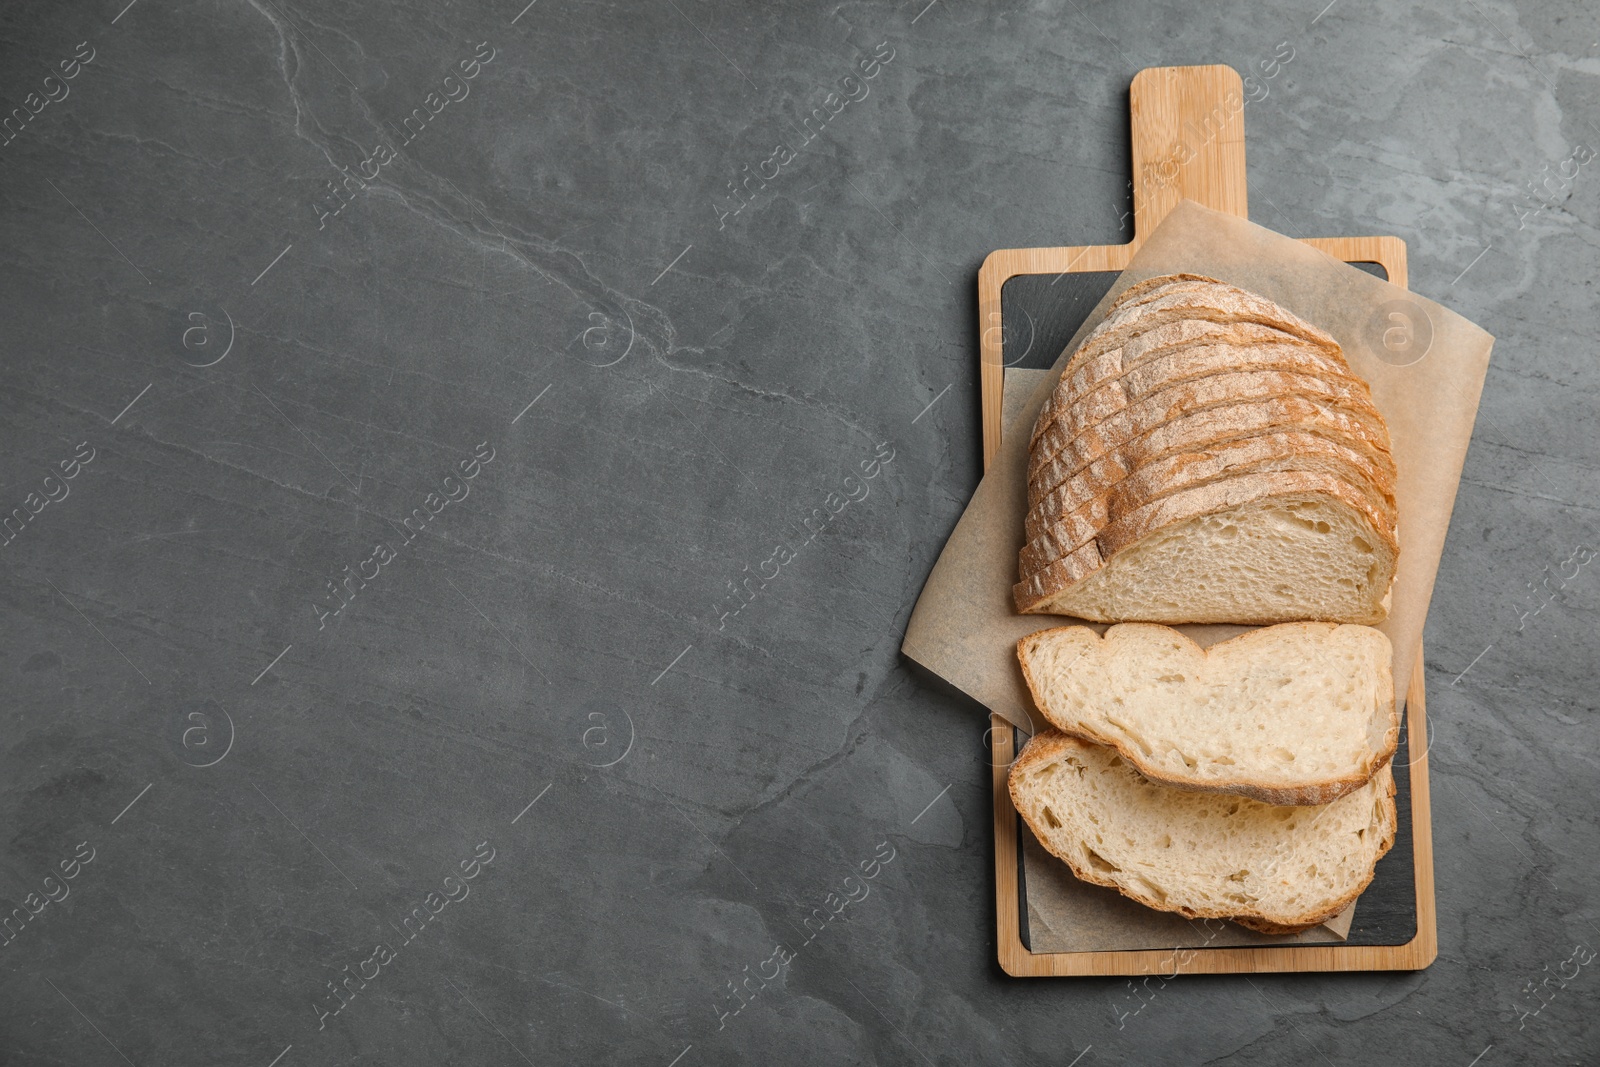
(1048, 745)
(1236, 418)
(1310, 794)
(1139, 290)
(1120, 491)
(1162, 342)
(1135, 293)
(1216, 300)
(1186, 398)
(1127, 327)
(1076, 411)
(1066, 534)
(1032, 594)
(1116, 331)
(1159, 357)
(1212, 429)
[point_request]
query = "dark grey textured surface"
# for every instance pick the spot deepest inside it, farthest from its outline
(702, 386)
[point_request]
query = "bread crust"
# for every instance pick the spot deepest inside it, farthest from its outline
(1212, 429)
(1206, 299)
(1153, 409)
(1126, 326)
(1312, 793)
(1164, 340)
(1096, 503)
(1049, 745)
(1111, 334)
(1090, 521)
(1225, 422)
(1077, 409)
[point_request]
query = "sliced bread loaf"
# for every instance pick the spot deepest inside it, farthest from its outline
(1272, 868)
(1256, 549)
(1105, 491)
(1298, 713)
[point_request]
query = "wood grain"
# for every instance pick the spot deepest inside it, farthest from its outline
(1188, 142)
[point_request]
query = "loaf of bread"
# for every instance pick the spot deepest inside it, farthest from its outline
(1208, 457)
(1298, 713)
(1272, 868)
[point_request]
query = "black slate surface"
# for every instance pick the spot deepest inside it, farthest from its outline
(270, 279)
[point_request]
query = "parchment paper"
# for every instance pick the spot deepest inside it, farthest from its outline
(965, 627)
(1425, 365)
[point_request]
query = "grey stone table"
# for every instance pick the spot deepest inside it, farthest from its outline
(468, 468)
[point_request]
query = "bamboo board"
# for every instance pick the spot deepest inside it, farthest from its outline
(1188, 143)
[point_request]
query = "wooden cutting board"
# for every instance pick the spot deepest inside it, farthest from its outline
(1188, 143)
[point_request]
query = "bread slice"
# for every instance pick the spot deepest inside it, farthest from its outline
(1269, 867)
(1095, 504)
(1255, 548)
(1359, 428)
(1083, 445)
(1298, 713)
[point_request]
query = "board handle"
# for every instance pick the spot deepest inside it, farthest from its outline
(1188, 142)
